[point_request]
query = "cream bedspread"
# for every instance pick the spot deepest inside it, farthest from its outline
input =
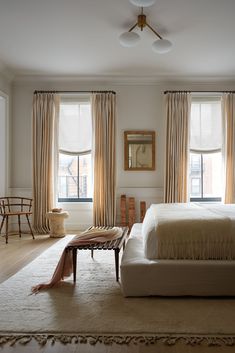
(189, 231)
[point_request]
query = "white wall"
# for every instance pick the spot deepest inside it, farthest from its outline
(5, 110)
(140, 105)
(3, 164)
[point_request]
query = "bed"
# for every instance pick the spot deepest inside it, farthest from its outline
(181, 250)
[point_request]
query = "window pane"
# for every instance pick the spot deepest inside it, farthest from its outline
(212, 176)
(71, 185)
(68, 176)
(205, 168)
(196, 187)
(85, 187)
(195, 175)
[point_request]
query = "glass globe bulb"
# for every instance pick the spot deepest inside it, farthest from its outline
(161, 46)
(142, 3)
(129, 39)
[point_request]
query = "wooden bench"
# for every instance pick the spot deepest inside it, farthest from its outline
(115, 245)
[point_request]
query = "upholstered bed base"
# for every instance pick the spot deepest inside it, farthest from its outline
(143, 277)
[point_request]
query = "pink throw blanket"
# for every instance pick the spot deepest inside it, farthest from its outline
(64, 267)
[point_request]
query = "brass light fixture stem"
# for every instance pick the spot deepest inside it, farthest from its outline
(143, 23)
(131, 29)
(153, 30)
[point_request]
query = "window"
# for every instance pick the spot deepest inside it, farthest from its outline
(75, 139)
(205, 169)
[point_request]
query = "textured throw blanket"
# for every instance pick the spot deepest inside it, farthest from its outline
(187, 231)
(64, 267)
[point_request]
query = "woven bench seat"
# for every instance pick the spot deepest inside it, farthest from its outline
(116, 245)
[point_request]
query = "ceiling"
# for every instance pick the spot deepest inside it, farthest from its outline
(80, 37)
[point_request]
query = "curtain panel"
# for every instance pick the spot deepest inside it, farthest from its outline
(177, 146)
(45, 153)
(104, 120)
(228, 109)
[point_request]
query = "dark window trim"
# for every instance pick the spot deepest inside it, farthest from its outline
(75, 200)
(205, 199)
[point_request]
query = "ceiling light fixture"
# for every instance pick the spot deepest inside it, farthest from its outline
(131, 39)
(143, 3)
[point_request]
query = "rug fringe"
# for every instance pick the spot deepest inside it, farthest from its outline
(43, 339)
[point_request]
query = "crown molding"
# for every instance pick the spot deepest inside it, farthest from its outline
(125, 80)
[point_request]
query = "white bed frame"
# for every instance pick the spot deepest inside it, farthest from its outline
(143, 277)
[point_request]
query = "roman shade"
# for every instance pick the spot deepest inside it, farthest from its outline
(75, 133)
(206, 125)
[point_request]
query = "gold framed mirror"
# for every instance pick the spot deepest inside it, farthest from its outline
(139, 150)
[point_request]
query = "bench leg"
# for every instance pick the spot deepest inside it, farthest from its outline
(19, 225)
(74, 265)
(92, 253)
(117, 263)
(124, 245)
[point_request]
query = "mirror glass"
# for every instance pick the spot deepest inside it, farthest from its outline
(139, 150)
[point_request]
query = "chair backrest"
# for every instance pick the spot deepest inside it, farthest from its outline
(15, 204)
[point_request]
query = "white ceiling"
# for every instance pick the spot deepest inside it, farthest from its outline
(80, 37)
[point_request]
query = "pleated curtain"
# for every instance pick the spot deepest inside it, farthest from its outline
(228, 109)
(45, 140)
(177, 146)
(103, 120)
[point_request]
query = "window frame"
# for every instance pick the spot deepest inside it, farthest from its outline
(81, 98)
(204, 199)
(203, 99)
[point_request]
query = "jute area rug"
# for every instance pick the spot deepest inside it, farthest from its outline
(94, 310)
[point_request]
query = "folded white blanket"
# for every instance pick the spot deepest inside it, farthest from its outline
(187, 231)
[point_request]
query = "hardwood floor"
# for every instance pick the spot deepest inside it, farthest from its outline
(18, 253)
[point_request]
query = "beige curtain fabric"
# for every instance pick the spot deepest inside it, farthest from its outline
(177, 143)
(228, 104)
(45, 131)
(103, 120)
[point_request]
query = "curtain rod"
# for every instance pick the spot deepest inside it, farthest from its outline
(165, 92)
(71, 92)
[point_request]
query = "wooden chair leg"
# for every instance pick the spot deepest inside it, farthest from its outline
(3, 219)
(6, 229)
(27, 216)
(19, 225)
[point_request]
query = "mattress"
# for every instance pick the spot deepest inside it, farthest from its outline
(143, 277)
(189, 231)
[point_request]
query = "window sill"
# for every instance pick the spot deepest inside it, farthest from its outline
(76, 206)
